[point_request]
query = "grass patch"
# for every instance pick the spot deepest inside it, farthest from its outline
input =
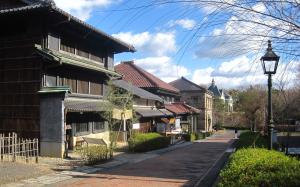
(147, 142)
(252, 139)
(260, 167)
(94, 154)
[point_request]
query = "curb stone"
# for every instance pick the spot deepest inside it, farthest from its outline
(85, 170)
(210, 177)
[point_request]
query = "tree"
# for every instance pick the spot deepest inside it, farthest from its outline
(218, 112)
(117, 98)
(252, 103)
(243, 25)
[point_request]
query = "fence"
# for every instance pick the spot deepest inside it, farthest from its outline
(15, 149)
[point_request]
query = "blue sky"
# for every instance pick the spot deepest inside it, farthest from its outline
(171, 40)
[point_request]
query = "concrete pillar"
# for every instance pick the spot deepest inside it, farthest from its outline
(52, 129)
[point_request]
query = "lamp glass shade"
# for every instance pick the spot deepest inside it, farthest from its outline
(269, 66)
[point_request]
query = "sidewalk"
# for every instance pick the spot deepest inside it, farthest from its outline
(188, 166)
(121, 159)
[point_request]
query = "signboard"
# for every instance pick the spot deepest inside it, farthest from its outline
(121, 114)
(136, 126)
(177, 123)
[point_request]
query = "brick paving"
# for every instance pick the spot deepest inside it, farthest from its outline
(180, 167)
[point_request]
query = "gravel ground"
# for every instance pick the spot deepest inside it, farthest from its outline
(12, 172)
(15, 171)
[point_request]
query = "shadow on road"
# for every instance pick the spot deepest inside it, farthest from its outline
(181, 167)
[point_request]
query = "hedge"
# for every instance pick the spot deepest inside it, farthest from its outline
(252, 139)
(147, 142)
(189, 137)
(94, 154)
(260, 167)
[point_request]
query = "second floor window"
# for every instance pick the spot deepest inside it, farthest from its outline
(67, 46)
(81, 50)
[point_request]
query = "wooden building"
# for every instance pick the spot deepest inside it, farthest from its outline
(145, 80)
(198, 97)
(53, 73)
(186, 117)
(148, 108)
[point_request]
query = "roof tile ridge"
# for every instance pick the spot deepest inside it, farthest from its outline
(202, 88)
(144, 73)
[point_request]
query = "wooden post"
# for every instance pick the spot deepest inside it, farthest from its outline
(23, 148)
(37, 151)
(1, 147)
(13, 147)
(9, 146)
(27, 150)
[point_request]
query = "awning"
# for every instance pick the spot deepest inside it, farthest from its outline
(166, 112)
(149, 112)
(70, 59)
(85, 105)
(181, 109)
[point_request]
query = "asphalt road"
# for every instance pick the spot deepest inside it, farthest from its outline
(181, 167)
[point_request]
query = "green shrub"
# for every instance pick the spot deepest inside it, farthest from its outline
(94, 154)
(207, 134)
(189, 137)
(218, 126)
(200, 136)
(252, 139)
(260, 167)
(147, 142)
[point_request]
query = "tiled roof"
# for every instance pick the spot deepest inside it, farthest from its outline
(136, 90)
(214, 89)
(141, 78)
(181, 108)
(85, 105)
(184, 84)
(50, 5)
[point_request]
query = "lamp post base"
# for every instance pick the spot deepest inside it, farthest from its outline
(271, 130)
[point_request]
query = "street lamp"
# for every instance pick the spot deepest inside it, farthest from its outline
(269, 63)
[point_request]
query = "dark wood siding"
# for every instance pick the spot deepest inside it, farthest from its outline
(20, 76)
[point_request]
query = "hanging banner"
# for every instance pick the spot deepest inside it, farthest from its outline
(121, 114)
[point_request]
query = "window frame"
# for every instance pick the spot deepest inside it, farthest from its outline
(102, 123)
(81, 133)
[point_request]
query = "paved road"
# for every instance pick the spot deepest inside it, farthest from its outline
(181, 167)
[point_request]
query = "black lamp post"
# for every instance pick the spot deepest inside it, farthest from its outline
(269, 63)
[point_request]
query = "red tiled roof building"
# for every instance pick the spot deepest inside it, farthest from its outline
(145, 80)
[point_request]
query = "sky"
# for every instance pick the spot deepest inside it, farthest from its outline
(170, 44)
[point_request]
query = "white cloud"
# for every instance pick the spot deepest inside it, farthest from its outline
(184, 23)
(163, 68)
(244, 32)
(260, 7)
(154, 44)
(243, 71)
(82, 8)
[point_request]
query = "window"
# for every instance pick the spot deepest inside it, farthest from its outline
(71, 83)
(195, 99)
(83, 53)
(82, 128)
(53, 42)
(96, 88)
(67, 46)
(83, 87)
(50, 80)
(97, 57)
(99, 126)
